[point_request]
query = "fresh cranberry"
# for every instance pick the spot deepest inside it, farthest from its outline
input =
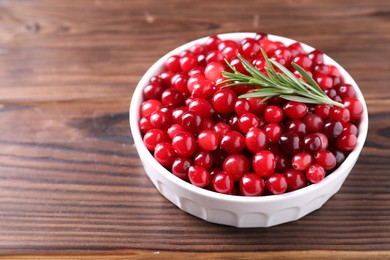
(346, 142)
(273, 132)
(268, 46)
(345, 90)
(207, 124)
(314, 123)
(174, 129)
(173, 63)
(296, 126)
(263, 163)
(350, 128)
(290, 144)
(221, 129)
(212, 43)
(152, 91)
(171, 97)
(208, 140)
(230, 52)
(256, 106)
(295, 179)
(301, 161)
(213, 71)
(179, 83)
(236, 165)
(177, 114)
(223, 101)
(180, 167)
(322, 111)
(260, 35)
(191, 121)
(204, 159)
(282, 163)
(316, 56)
(333, 129)
(303, 61)
(223, 183)
(203, 89)
(325, 82)
(295, 110)
(276, 183)
(251, 185)
(315, 173)
(198, 176)
(249, 48)
(214, 56)
(161, 118)
(188, 62)
(339, 114)
(273, 114)
(255, 140)
(154, 137)
(247, 121)
(144, 124)
(166, 78)
(149, 106)
(340, 157)
(201, 107)
(296, 49)
(165, 154)
(326, 159)
(312, 143)
(184, 143)
(233, 142)
(241, 106)
(355, 107)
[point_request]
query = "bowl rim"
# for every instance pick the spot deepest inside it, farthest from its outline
(157, 68)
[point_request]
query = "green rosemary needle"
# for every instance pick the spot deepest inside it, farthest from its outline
(283, 84)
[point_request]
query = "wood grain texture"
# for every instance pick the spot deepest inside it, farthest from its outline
(70, 177)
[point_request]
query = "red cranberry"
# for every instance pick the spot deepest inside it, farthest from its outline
(174, 129)
(204, 159)
(213, 42)
(350, 128)
(154, 137)
(314, 123)
(263, 163)
(304, 61)
(326, 159)
(251, 185)
(201, 107)
(171, 97)
(152, 91)
(296, 126)
(223, 101)
(241, 106)
(161, 118)
(276, 183)
(322, 110)
(191, 121)
(223, 183)
(282, 163)
(144, 124)
(301, 161)
(333, 129)
(249, 48)
(315, 173)
(316, 56)
(345, 90)
(188, 62)
(290, 144)
(165, 154)
(355, 107)
(295, 179)
(233, 142)
(247, 121)
(208, 140)
(255, 140)
(273, 132)
(236, 165)
(184, 143)
(179, 83)
(339, 114)
(149, 106)
(214, 71)
(295, 110)
(180, 167)
(273, 114)
(173, 63)
(340, 157)
(260, 35)
(346, 142)
(198, 176)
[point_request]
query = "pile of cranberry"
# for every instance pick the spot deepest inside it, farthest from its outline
(207, 135)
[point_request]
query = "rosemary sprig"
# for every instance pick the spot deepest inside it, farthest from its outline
(283, 84)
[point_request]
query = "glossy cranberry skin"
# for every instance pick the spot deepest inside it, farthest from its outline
(180, 167)
(340, 114)
(173, 63)
(296, 49)
(191, 121)
(201, 107)
(315, 173)
(188, 62)
(304, 61)
(184, 143)
(346, 142)
(171, 97)
(273, 114)
(295, 110)
(149, 106)
(204, 159)
(296, 126)
(249, 48)
(166, 78)
(213, 71)
(350, 128)
(152, 91)
(255, 140)
(282, 163)
(314, 123)
(276, 184)
(345, 91)
(144, 124)
(179, 83)
(236, 165)
(208, 140)
(301, 161)
(312, 143)
(230, 52)
(355, 107)
(273, 132)
(203, 89)
(224, 100)
(340, 157)
(242, 106)
(256, 106)
(221, 129)
(263, 163)
(325, 82)
(174, 129)
(161, 118)
(251, 185)
(233, 142)
(177, 114)
(322, 110)
(316, 56)
(333, 129)
(214, 56)
(223, 183)
(198, 176)
(290, 144)
(247, 121)
(212, 43)
(165, 154)
(154, 137)
(326, 159)
(295, 179)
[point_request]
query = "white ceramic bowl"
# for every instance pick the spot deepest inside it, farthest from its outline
(240, 211)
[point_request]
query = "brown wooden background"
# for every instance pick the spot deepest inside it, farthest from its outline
(70, 179)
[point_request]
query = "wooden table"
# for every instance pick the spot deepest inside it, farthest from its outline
(71, 183)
